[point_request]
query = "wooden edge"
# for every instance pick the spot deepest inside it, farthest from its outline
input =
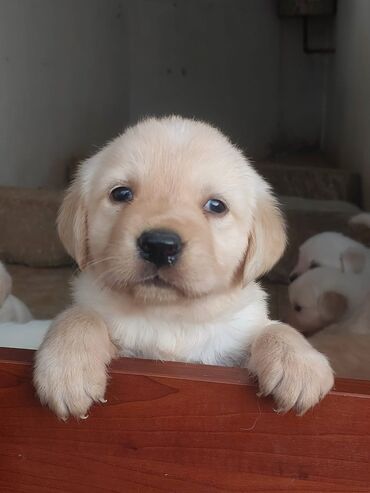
(186, 371)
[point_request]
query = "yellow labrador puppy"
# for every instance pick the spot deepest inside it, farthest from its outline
(170, 226)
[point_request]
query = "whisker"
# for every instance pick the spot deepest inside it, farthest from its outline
(98, 261)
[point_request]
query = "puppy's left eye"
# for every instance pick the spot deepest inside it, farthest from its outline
(215, 206)
(121, 194)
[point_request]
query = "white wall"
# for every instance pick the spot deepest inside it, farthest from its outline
(216, 60)
(63, 84)
(347, 132)
(73, 73)
(245, 70)
(302, 84)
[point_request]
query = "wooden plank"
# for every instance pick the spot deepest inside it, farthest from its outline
(181, 428)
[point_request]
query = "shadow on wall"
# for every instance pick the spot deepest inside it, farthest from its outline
(347, 127)
(75, 73)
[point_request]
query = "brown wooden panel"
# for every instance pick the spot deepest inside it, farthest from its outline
(181, 428)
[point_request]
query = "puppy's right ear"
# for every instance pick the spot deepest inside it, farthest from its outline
(5, 284)
(72, 224)
(353, 260)
(332, 306)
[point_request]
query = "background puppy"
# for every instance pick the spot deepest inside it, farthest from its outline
(331, 249)
(362, 219)
(323, 296)
(326, 298)
(12, 309)
(170, 226)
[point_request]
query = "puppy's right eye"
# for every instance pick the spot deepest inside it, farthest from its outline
(297, 308)
(215, 206)
(121, 194)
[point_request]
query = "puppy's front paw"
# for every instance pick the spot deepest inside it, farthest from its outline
(290, 369)
(70, 367)
(69, 386)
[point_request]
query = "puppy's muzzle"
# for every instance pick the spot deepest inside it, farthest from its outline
(160, 247)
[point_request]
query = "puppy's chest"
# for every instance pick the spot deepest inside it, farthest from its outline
(209, 343)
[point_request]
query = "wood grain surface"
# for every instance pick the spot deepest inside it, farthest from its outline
(173, 427)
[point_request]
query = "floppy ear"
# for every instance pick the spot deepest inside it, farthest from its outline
(5, 284)
(72, 224)
(267, 239)
(332, 306)
(353, 260)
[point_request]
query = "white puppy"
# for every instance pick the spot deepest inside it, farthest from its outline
(324, 296)
(171, 226)
(12, 309)
(331, 249)
(362, 219)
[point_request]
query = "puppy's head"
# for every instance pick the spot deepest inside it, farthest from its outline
(5, 284)
(317, 299)
(171, 209)
(330, 249)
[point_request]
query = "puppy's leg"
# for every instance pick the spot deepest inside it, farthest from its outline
(289, 368)
(70, 367)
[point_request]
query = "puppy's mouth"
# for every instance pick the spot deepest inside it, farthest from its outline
(157, 282)
(150, 281)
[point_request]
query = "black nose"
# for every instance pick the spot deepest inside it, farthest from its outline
(293, 277)
(159, 246)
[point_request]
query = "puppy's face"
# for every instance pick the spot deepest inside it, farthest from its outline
(313, 304)
(171, 210)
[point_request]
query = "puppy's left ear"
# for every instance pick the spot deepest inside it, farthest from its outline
(72, 223)
(332, 306)
(267, 239)
(353, 260)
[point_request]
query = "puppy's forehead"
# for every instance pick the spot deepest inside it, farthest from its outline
(173, 151)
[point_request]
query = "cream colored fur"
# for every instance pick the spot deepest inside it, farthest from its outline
(362, 219)
(208, 309)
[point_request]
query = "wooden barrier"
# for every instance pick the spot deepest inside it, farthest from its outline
(180, 428)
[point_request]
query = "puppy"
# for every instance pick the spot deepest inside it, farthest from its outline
(170, 226)
(324, 296)
(11, 308)
(361, 219)
(331, 249)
